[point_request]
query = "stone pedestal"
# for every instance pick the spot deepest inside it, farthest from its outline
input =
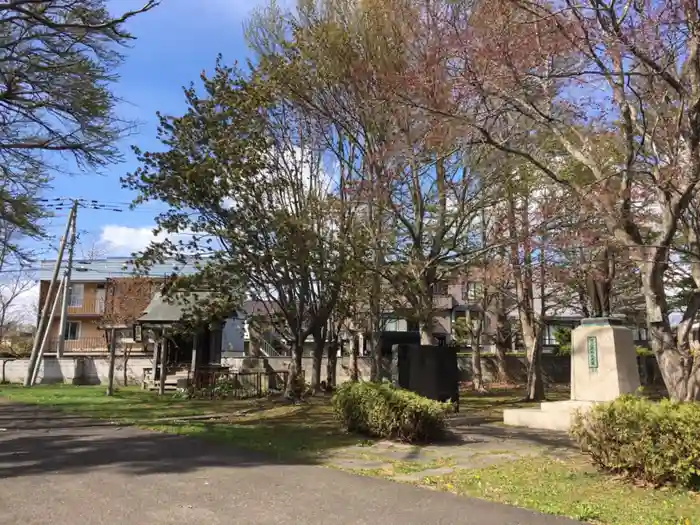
(603, 361)
(603, 367)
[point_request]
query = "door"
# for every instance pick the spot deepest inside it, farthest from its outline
(100, 300)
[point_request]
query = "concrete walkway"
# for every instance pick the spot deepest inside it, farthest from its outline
(62, 470)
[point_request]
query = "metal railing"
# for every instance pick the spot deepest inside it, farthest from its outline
(269, 350)
(88, 306)
(83, 344)
(216, 382)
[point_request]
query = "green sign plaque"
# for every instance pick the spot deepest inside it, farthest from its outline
(592, 352)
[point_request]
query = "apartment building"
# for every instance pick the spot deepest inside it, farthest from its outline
(95, 290)
(452, 299)
(461, 296)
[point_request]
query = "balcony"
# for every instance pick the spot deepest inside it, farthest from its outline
(82, 345)
(87, 307)
(443, 302)
(472, 293)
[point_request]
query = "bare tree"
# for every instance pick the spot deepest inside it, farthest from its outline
(90, 248)
(15, 279)
(523, 76)
(650, 153)
(125, 301)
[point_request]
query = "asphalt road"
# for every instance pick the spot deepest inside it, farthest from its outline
(60, 470)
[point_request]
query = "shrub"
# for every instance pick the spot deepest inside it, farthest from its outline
(643, 351)
(380, 410)
(563, 337)
(563, 350)
(655, 442)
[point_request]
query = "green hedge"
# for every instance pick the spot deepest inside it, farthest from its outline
(380, 410)
(655, 442)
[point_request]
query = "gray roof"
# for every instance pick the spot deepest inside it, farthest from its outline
(99, 270)
(250, 307)
(162, 310)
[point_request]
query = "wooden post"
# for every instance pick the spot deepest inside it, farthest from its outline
(193, 366)
(112, 359)
(156, 361)
(163, 365)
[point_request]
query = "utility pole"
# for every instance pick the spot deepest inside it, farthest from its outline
(67, 287)
(44, 319)
(46, 334)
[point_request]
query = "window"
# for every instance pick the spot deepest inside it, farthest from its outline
(640, 334)
(75, 295)
(441, 288)
(471, 291)
(393, 324)
(549, 338)
(72, 331)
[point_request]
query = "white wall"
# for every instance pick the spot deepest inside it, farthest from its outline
(232, 336)
(80, 370)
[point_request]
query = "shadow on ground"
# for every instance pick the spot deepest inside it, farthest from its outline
(35, 441)
(468, 432)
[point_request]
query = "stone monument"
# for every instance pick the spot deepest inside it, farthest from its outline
(603, 366)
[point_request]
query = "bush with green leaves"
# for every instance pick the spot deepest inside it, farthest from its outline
(643, 351)
(654, 442)
(381, 410)
(563, 337)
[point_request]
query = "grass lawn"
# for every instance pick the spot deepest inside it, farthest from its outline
(575, 489)
(568, 487)
(280, 429)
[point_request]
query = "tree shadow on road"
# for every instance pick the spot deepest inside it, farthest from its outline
(37, 441)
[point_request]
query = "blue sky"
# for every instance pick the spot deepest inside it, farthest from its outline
(175, 42)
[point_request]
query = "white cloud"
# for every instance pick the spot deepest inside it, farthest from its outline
(116, 240)
(125, 240)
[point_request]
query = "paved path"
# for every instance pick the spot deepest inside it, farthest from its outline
(62, 470)
(474, 444)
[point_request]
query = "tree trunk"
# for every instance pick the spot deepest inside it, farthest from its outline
(163, 367)
(295, 385)
(477, 373)
(332, 365)
(533, 352)
(679, 369)
(426, 333)
(354, 352)
(376, 370)
(535, 383)
(522, 277)
(501, 340)
(319, 346)
(376, 325)
(112, 362)
(501, 364)
(125, 371)
(426, 317)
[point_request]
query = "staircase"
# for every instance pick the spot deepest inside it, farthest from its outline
(171, 379)
(267, 349)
